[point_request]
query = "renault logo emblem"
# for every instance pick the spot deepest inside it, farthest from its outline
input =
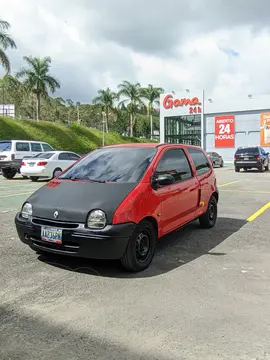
(55, 214)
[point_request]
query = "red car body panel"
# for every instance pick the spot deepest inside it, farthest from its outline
(171, 206)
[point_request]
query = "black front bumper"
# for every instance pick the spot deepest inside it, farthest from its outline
(108, 243)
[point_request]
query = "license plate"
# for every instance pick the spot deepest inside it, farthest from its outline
(31, 164)
(52, 235)
(246, 158)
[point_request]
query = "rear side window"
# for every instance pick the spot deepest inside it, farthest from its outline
(36, 147)
(46, 155)
(22, 146)
(63, 156)
(73, 156)
(47, 147)
(5, 146)
(175, 163)
(200, 160)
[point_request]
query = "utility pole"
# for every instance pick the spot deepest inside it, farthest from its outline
(78, 111)
(103, 128)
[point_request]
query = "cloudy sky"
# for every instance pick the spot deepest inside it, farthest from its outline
(221, 46)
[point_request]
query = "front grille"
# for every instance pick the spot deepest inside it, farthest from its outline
(60, 224)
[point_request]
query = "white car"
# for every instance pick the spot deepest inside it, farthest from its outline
(47, 165)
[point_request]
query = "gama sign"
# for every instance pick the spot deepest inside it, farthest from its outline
(194, 103)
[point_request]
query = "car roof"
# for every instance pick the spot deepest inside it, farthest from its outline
(150, 145)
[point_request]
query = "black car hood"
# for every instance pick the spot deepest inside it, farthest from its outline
(74, 200)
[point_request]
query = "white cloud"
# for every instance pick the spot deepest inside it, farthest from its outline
(177, 46)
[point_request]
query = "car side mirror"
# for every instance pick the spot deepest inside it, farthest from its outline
(162, 180)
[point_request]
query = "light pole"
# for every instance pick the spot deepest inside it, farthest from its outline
(103, 128)
(78, 111)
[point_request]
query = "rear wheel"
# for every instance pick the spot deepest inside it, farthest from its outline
(208, 220)
(34, 178)
(141, 248)
(237, 169)
(261, 168)
(56, 172)
(9, 174)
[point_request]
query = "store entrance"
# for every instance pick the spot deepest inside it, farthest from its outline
(183, 130)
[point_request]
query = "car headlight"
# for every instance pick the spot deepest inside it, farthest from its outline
(96, 219)
(27, 210)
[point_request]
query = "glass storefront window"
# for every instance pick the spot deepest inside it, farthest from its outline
(183, 130)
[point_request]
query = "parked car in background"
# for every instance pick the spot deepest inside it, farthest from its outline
(250, 157)
(48, 165)
(116, 202)
(216, 159)
(13, 151)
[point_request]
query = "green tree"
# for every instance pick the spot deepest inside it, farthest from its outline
(106, 99)
(6, 42)
(151, 94)
(132, 93)
(37, 79)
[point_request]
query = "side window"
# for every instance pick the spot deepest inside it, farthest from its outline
(22, 146)
(73, 156)
(63, 156)
(201, 162)
(175, 162)
(47, 147)
(36, 147)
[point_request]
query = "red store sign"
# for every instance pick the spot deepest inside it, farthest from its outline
(224, 131)
(194, 104)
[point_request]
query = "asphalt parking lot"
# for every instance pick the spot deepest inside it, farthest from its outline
(205, 296)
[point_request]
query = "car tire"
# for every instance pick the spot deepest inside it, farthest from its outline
(9, 174)
(34, 178)
(141, 247)
(222, 164)
(237, 169)
(208, 220)
(261, 168)
(56, 172)
(25, 177)
(267, 167)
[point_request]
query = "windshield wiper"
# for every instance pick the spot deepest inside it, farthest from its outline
(74, 178)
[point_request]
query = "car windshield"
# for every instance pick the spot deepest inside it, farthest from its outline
(122, 164)
(5, 146)
(251, 150)
(44, 155)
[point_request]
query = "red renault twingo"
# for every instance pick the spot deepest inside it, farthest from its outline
(117, 201)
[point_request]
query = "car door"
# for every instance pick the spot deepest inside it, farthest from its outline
(179, 200)
(22, 149)
(35, 148)
(64, 160)
(203, 173)
(73, 158)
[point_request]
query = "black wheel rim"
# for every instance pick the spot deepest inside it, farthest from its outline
(143, 246)
(212, 212)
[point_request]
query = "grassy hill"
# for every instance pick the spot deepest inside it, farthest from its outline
(76, 138)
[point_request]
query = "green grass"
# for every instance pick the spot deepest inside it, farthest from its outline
(76, 138)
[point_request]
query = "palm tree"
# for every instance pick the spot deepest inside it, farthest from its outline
(132, 93)
(152, 95)
(37, 79)
(6, 42)
(106, 99)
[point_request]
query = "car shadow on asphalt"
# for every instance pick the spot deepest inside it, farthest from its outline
(173, 251)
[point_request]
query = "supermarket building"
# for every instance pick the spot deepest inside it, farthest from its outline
(220, 125)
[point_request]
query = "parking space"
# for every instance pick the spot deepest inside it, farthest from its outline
(205, 296)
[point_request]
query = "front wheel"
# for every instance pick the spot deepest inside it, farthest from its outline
(208, 220)
(222, 164)
(141, 248)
